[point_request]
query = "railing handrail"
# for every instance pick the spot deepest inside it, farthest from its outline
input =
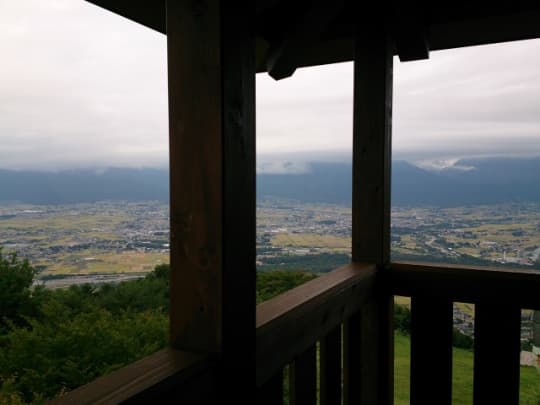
(136, 378)
(466, 283)
(291, 322)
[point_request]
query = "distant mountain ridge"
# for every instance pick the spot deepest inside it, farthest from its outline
(76, 186)
(489, 180)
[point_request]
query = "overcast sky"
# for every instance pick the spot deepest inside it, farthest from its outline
(82, 87)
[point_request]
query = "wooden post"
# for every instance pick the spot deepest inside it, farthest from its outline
(431, 337)
(211, 63)
(330, 368)
(371, 206)
(497, 330)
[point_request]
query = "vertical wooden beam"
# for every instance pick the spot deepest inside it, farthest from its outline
(303, 378)
(211, 63)
(352, 360)
(372, 134)
(371, 199)
(497, 330)
(330, 368)
(431, 338)
(239, 205)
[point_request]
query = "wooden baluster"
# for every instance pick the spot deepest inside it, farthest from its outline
(271, 393)
(330, 368)
(431, 351)
(352, 360)
(496, 354)
(303, 378)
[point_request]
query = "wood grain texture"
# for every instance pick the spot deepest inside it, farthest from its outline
(431, 338)
(466, 283)
(497, 331)
(211, 63)
(291, 322)
(212, 153)
(196, 175)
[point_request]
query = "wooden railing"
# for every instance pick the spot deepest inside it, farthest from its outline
(291, 326)
(308, 329)
(499, 294)
(317, 332)
(167, 376)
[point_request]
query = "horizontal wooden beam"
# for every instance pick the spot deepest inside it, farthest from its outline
(483, 31)
(150, 15)
(167, 374)
(466, 283)
(290, 323)
(462, 28)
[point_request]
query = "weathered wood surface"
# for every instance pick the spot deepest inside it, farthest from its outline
(212, 152)
(211, 65)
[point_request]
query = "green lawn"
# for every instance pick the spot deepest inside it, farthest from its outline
(463, 377)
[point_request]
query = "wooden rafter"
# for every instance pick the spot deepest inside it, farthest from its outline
(286, 56)
(410, 32)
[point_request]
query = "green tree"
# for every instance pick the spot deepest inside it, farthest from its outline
(16, 277)
(275, 282)
(402, 319)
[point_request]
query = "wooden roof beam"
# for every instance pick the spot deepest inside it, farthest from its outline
(285, 56)
(150, 14)
(410, 32)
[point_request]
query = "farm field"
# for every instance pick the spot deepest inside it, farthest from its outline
(334, 243)
(82, 239)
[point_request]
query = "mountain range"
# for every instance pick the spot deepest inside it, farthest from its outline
(466, 182)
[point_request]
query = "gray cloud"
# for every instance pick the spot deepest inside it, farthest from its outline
(478, 100)
(82, 87)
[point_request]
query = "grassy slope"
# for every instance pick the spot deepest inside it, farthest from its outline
(463, 371)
